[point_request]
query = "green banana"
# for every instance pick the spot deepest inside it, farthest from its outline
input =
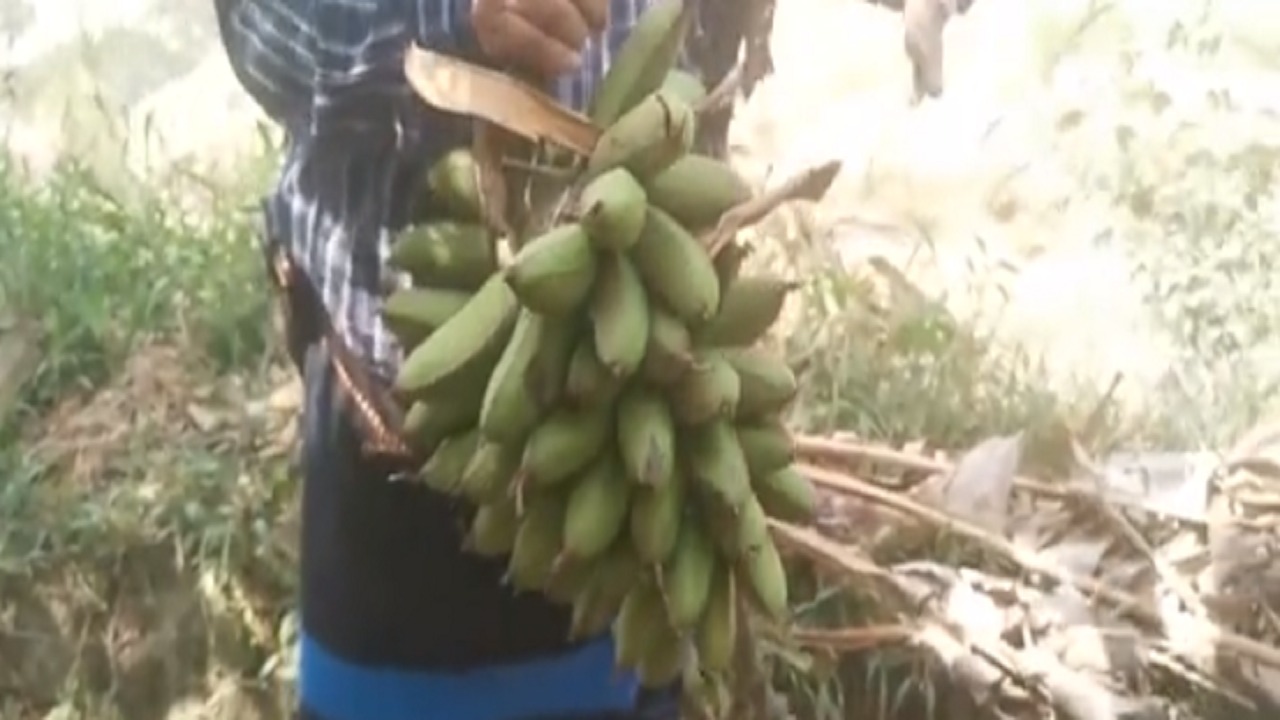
(717, 465)
(414, 313)
(553, 273)
(597, 509)
(686, 576)
(668, 351)
(589, 382)
(767, 578)
(642, 62)
(639, 620)
(697, 190)
(454, 182)
(493, 529)
(685, 86)
(656, 514)
(487, 477)
(765, 381)
(786, 494)
(647, 139)
(748, 308)
(537, 544)
(707, 392)
(611, 210)
(619, 316)
(767, 445)
(646, 436)
(446, 254)
(443, 471)
(676, 268)
(516, 396)
(718, 631)
(470, 341)
(565, 443)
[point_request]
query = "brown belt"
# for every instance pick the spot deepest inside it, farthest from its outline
(377, 415)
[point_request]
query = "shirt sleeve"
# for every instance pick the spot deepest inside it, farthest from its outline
(321, 65)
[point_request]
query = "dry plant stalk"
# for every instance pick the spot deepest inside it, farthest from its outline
(1063, 688)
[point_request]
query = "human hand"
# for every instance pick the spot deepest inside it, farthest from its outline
(542, 37)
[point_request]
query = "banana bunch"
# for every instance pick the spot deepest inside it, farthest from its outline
(451, 262)
(603, 399)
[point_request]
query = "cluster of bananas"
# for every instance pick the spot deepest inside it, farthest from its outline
(603, 398)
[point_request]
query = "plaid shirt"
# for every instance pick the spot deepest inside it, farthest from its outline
(330, 72)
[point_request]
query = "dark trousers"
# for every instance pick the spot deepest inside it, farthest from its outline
(384, 580)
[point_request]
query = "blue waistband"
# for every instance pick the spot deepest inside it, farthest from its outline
(580, 681)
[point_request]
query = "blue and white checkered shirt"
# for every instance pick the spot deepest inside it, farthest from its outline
(330, 71)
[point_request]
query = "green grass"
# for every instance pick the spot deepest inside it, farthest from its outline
(111, 276)
(99, 271)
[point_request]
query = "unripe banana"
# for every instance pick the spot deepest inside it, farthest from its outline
(589, 382)
(537, 543)
(717, 465)
(570, 577)
(509, 411)
(430, 421)
(468, 343)
(643, 62)
(493, 529)
(550, 368)
(512, 405)
(737, 530)
(656, 514)
(619, 315)
(454, 182)
(685, 86)
(611, 210)
(686, 576)
(708, 391)
(553, 273)
(696, 190)
(487, 477)
(765, 380)
(414, 313)
(676, 268)
(597, 509)
(786, 495)
(446, 254)
(613, 575)
(640, 619)
(749, 307)
(443, 471)
(662, 662)
(729, 260)
(618, 571)
(591, 614)
(703, 694)
(564, 444)
(718, 630)
(646, 436)
(647, 139)
(767, 578)
(767, 445)
(668, 353)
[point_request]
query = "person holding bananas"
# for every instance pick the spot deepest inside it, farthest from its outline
(398, 623)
